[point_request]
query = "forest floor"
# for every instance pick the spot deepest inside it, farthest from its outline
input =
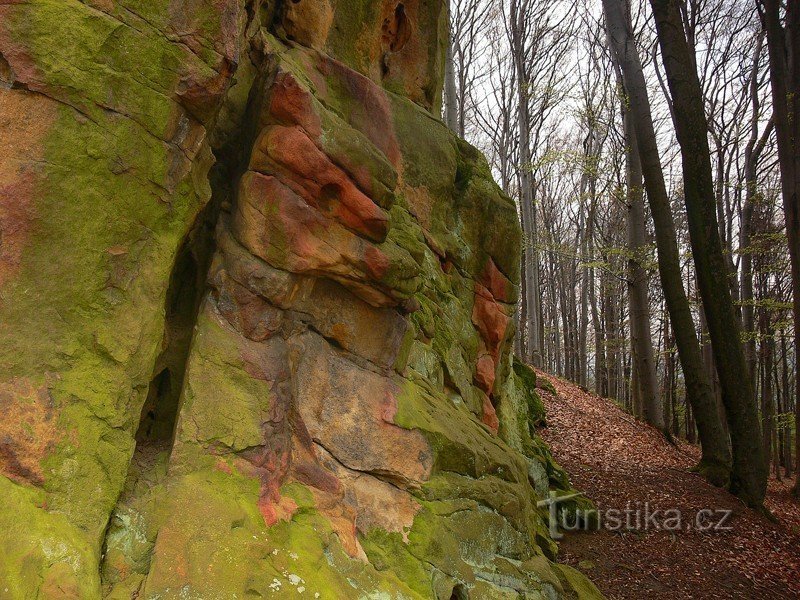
(618, 463)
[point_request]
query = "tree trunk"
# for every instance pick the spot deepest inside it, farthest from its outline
(521, 315)
(583, 349)
(749, 474)
(784, 63)
(787, 452)
(527, 209)
(450, 91)
(752, 153)
(767, 399)
(715, 461)
(599, 341)
(612, 343)
(641, 337)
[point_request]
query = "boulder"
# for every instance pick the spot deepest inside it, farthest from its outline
(256, 313)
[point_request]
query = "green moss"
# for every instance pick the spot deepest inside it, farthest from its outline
(546, 385)
(430, 161)
(217, 371)
(461, 443)
(42, 552)
(100, 327)
(348, 39)
(526, 387)
(111, 206)
(214, 544)
(208, 536)
(582, 588)
(389, 552)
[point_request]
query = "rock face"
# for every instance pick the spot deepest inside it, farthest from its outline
(256, 313)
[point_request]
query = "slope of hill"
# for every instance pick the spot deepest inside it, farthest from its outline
(623, 464)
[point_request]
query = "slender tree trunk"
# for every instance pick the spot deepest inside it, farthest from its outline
(752, 153)
(527, 209)
(450, 91)
(641, 337)
(583, 357)
(779, 444)
(786, 404)
(710, 370)
(673, 384)
(634, 390)
(727, 243)
(590, 275)
(588, 186)
(557, 343)
(767, 398)
(715, 461)
(623, 372)
(612, 343)
(573, 312)
(691, 428)
(599, 342)
(749, 473)
(565, 322)
(668, 398)
(784, 62)
(583, 325)
(521, 316)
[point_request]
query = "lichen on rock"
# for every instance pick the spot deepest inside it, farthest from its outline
(256, 313)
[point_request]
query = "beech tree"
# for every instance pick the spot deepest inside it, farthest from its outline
(644, 366)
(538, 42)
(716, 458)
(532, 312)
(464, 49)
(783, 40)
(749, 472)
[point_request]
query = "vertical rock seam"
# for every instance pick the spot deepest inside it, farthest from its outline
(262, 308)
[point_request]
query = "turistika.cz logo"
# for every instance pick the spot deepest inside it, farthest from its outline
(636, 516)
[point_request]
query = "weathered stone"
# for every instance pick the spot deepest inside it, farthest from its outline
(362, 404)
(308, 21)
(256, 313)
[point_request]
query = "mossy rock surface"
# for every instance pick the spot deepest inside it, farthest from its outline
(256, 313)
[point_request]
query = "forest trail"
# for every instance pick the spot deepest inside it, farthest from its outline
(616, 460)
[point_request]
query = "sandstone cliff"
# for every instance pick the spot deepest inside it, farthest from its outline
(256, 312)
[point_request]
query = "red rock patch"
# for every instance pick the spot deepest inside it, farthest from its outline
(27, 430)
(24, 121)
(491, 320)
(485, 373)
(292, 104)
(495, 282)
(490, 415)
(304, 168)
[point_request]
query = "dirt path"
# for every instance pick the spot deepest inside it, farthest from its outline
(618, 463)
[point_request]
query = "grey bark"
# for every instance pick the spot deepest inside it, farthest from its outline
(450, 91)
(749, 472)
(715, 462)
(533, 310)
(641, 335)
(784, 59)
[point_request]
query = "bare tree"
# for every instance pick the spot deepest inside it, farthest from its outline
(716, 459)
(752, 153)
(562, 158)
(783, 41)
(450, 89)
(641, 337)
(749, 473)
